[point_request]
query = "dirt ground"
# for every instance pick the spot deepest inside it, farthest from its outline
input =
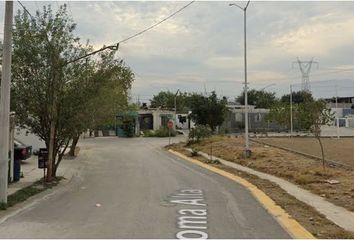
(306, 172)
(338, 150)
(307, 216)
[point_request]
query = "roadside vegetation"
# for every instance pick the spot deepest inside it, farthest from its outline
(29, 191)
(162, 132)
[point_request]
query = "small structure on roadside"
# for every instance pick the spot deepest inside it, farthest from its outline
(235, 119)
(126, 124)
(154, 119)
(130, 123)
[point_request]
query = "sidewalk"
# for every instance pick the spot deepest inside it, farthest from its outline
(31, 173)
(338, 215)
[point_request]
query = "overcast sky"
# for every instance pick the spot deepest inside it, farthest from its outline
(201, 48)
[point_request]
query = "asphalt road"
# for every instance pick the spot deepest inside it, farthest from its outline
(143, 192)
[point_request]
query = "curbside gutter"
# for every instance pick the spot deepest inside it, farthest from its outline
(295, 229)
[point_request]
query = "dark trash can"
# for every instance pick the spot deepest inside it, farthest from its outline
(17, 170)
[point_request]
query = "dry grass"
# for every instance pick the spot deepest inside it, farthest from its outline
(339, 150)
(297, 169)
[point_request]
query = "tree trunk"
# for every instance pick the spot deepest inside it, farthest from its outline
(73, 145)
(322, 151)
(51, 158)
(60, 157)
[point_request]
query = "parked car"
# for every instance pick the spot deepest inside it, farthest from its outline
(21, 150)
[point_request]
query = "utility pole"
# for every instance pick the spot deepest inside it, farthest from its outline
(5, 101)
(176, 107)
(291, 111)
(305, 68)
(247, 151)
(337, 117)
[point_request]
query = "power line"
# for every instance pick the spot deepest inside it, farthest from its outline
(158, 23)
(116, 46)
(24, 8)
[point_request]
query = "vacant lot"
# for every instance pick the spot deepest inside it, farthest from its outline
(298, 169)
(339, 150)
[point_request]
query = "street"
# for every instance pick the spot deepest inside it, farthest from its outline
(131, 188)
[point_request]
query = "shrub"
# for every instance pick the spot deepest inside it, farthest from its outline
(162, 132)
(194, 153)
(148, 133)
(199, 132)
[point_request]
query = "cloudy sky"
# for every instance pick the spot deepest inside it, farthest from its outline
(201, 48)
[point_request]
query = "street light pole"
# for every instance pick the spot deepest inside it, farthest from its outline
(269, 85)
(247, 145)
(5, 101)
(337, 115)
(176, 105)
(291, 111)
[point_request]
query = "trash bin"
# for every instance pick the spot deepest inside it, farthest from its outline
(17, 170)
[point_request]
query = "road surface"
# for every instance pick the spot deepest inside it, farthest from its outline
(131, 188)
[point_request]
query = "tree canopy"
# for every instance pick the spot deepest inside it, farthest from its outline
(166, 100)
(207, 110)
(298, 97)
(258, 98)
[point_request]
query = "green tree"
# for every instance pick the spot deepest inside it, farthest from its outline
(166, 100)
(207, 110)
(56, 100)
(280, 113)
(298, 97)
(41, 47)
(258, 98)
(316, 114)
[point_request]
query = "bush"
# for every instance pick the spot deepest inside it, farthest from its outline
(194, 153)
(162, 132)
(199, 132)
(148, 133)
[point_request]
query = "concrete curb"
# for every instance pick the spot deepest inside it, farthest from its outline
(295, 229)
(338, 215)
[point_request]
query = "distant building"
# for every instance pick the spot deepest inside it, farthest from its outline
(235, 119)
(131, 123)
(154, 119)
(343, 110)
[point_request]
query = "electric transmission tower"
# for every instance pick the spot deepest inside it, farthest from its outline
(305, 68)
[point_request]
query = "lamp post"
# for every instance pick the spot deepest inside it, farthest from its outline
(176, 107)
(247, 151)
(269, 85)
(337, 115)
(291, 111)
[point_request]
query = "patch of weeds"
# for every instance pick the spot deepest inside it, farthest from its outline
(162, 132)
(342, 234)
(214, 161)
(27, 192)
(194, 153)
(305, 179)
